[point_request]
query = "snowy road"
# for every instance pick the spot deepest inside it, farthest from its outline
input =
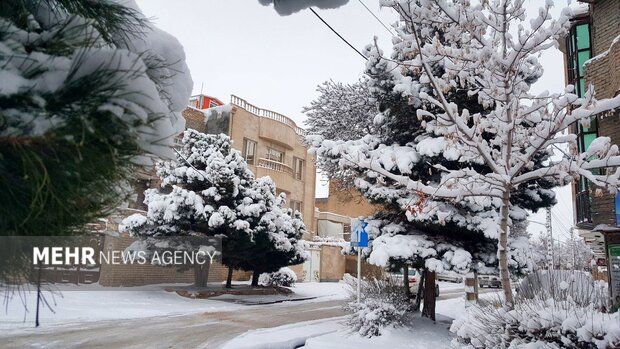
(204, 330)
(192, 329)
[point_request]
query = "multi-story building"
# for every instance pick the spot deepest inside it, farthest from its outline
(271, 143)
(592, 56)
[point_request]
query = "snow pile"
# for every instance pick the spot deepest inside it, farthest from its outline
(288, 7)
(439, 257)
(217, 112)
(552, 310)
(283, 337)
(383, 304)
(283, 277)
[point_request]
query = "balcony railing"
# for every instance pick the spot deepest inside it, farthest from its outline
(243, 104)
(275, 166)
(583, 207)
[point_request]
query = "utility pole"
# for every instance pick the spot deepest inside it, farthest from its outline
(550, 256)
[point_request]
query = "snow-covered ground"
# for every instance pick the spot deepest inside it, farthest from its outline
(333, 334)
(91, 303)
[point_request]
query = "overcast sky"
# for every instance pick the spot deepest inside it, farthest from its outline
(241, 47)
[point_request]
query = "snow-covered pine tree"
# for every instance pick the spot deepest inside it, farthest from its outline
(209, 191)
(86, 88)
(278, 235)
(486, 51)
(426, 240)
(340, 112)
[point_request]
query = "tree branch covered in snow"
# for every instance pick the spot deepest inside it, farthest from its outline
(88, 89)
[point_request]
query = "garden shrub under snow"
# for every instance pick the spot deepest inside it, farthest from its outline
(284, 277)
(383, 304)
(552, 310)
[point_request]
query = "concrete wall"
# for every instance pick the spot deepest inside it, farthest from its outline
(347, 203)
(369, 271)
(332, 263)
(138, 275)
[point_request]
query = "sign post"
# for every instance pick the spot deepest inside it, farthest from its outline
(359, 239)
(614, 274)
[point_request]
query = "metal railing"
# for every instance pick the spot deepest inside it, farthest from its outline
(264, 113)
(275, 165)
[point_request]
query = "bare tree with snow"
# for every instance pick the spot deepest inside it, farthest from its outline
(488, 50)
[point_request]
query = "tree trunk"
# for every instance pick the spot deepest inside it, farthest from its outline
(229, 277)
(406, 281)
(429, 295)
(255, 276)
(418, 298)
(201, 274)
(504, 274)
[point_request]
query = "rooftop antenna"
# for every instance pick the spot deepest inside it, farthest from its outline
(202, 84)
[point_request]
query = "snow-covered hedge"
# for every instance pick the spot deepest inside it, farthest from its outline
(383, 304)
(551, 311)
(284, 277)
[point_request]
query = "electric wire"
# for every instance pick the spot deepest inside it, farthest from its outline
(377, 18)
(335, 32)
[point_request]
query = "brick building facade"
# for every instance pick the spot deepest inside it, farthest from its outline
(592, 57)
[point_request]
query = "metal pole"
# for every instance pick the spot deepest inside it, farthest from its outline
(550, 252)
(36, 321)
(359, 271)
(573, 247)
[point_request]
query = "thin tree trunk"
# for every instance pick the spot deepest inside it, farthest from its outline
(201, 274)
(406, 281)
(504, 274)
(229, 277)
(418, 298)
(255, 276)
(429, 295)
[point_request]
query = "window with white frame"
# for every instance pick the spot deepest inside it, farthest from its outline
(275, 155)
(249, 151)
(298, 168)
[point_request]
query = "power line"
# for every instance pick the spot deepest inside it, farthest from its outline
(377, 18)
(335, 32)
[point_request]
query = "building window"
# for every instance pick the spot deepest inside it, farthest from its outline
(212, 104)
(193, 102)
(578, 50)
(296, 206)
(298, 168)
(249, 151)
(275, 155)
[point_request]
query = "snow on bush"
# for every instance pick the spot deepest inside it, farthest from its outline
(552, 310)
(284, 277)
(383, 304)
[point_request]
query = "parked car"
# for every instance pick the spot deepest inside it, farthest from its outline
(450, 276)
(414, 280)
(489, 281)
